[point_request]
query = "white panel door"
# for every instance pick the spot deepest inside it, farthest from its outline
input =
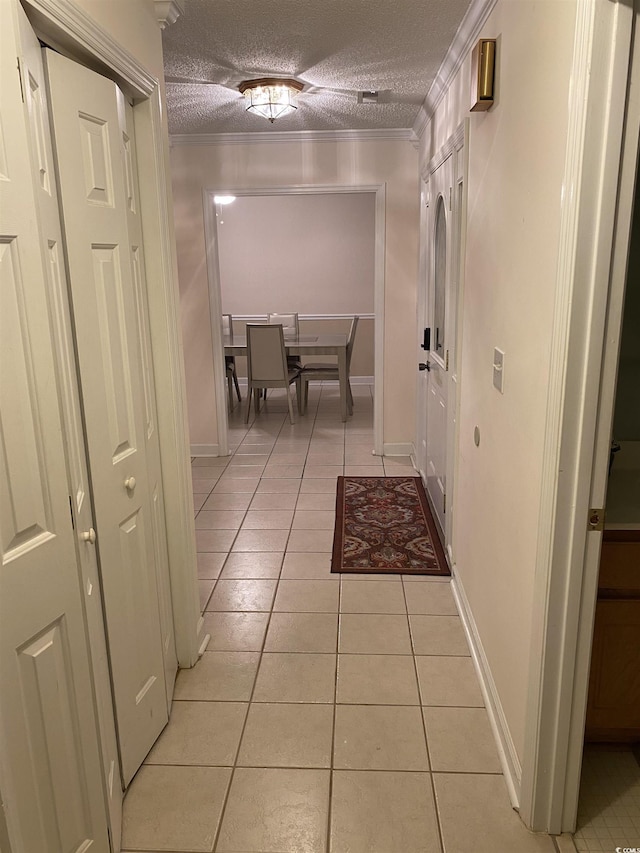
(150, 413)
(49, 753)
(44, 182)
(436, 380)
(87, 137)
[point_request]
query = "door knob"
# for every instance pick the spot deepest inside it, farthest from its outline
(89, 536)
(130, 484)
(423, 366)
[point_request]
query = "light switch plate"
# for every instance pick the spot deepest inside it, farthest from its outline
(498, 370)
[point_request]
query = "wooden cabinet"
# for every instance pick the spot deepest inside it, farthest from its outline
(613, 708)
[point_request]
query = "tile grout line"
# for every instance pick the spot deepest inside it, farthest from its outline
(434, 800)
(333, 730)
(249, 703)
(255, 678)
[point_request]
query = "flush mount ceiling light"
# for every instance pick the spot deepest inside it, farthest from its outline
(270, 97)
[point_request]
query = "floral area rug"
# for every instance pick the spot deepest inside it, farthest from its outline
(384, 524)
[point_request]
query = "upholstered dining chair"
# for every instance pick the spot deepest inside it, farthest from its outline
(291, 331)
(267, 365)
(312, 372)
(230, 362)
(289, 323)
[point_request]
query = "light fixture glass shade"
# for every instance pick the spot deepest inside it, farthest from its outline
(270, 97)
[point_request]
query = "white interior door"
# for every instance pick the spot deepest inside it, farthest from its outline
(88, 141)
(44, 183)
(435, 379)
(49, 755)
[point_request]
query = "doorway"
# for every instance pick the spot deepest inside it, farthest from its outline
(610, 779)
(590, 296)
(312, 319)
(442, 234)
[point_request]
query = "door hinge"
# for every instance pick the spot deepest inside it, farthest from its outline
(450, 198)
(20, 78)
(595, 520)
(73, 523)
(446, 360)
(444, 503)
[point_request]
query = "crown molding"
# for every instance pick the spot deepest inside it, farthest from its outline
(168, 11)
(467, 34)
(68, 27)
(421, 122)
(390, 133)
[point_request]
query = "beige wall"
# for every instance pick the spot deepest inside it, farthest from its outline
(311, 253)
(248, 166)
(516, 161)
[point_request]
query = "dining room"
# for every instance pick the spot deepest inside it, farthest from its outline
(306, 259)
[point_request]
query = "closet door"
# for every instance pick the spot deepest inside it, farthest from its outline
(91, 178)
(49, 755)
(41, 157)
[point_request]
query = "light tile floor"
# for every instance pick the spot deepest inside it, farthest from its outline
(609, 804)
(328, 713)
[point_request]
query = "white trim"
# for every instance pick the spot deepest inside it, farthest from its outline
(213, 278)
(467, 34)
(203, 645)
(297, 189)
(353, 380)
(70, 29)
(250, 318)
(215, 319)
(378, 332)
(205, 450)
(461, 168)
(506, 749)
(260, 137)
(421, 122)
(622, 215)
(63, 24)
(168, 365)
(168, 11)
(453, 145)
(399, 448)
(564, 592)
(565, 844)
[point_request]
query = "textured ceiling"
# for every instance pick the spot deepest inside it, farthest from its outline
(335, 47)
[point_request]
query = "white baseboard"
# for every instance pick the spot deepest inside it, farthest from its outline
(205, 450)
(506, 750)
(400, 448)
(565, 843)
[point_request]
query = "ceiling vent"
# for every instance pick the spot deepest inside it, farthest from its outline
(368, 97)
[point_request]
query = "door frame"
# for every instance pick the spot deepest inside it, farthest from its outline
(69, 29)
(593, 240)
(215, 300)
(456, 146)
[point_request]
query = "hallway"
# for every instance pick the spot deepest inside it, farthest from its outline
(329, 713)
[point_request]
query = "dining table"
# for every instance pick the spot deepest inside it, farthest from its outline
(304, 345)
